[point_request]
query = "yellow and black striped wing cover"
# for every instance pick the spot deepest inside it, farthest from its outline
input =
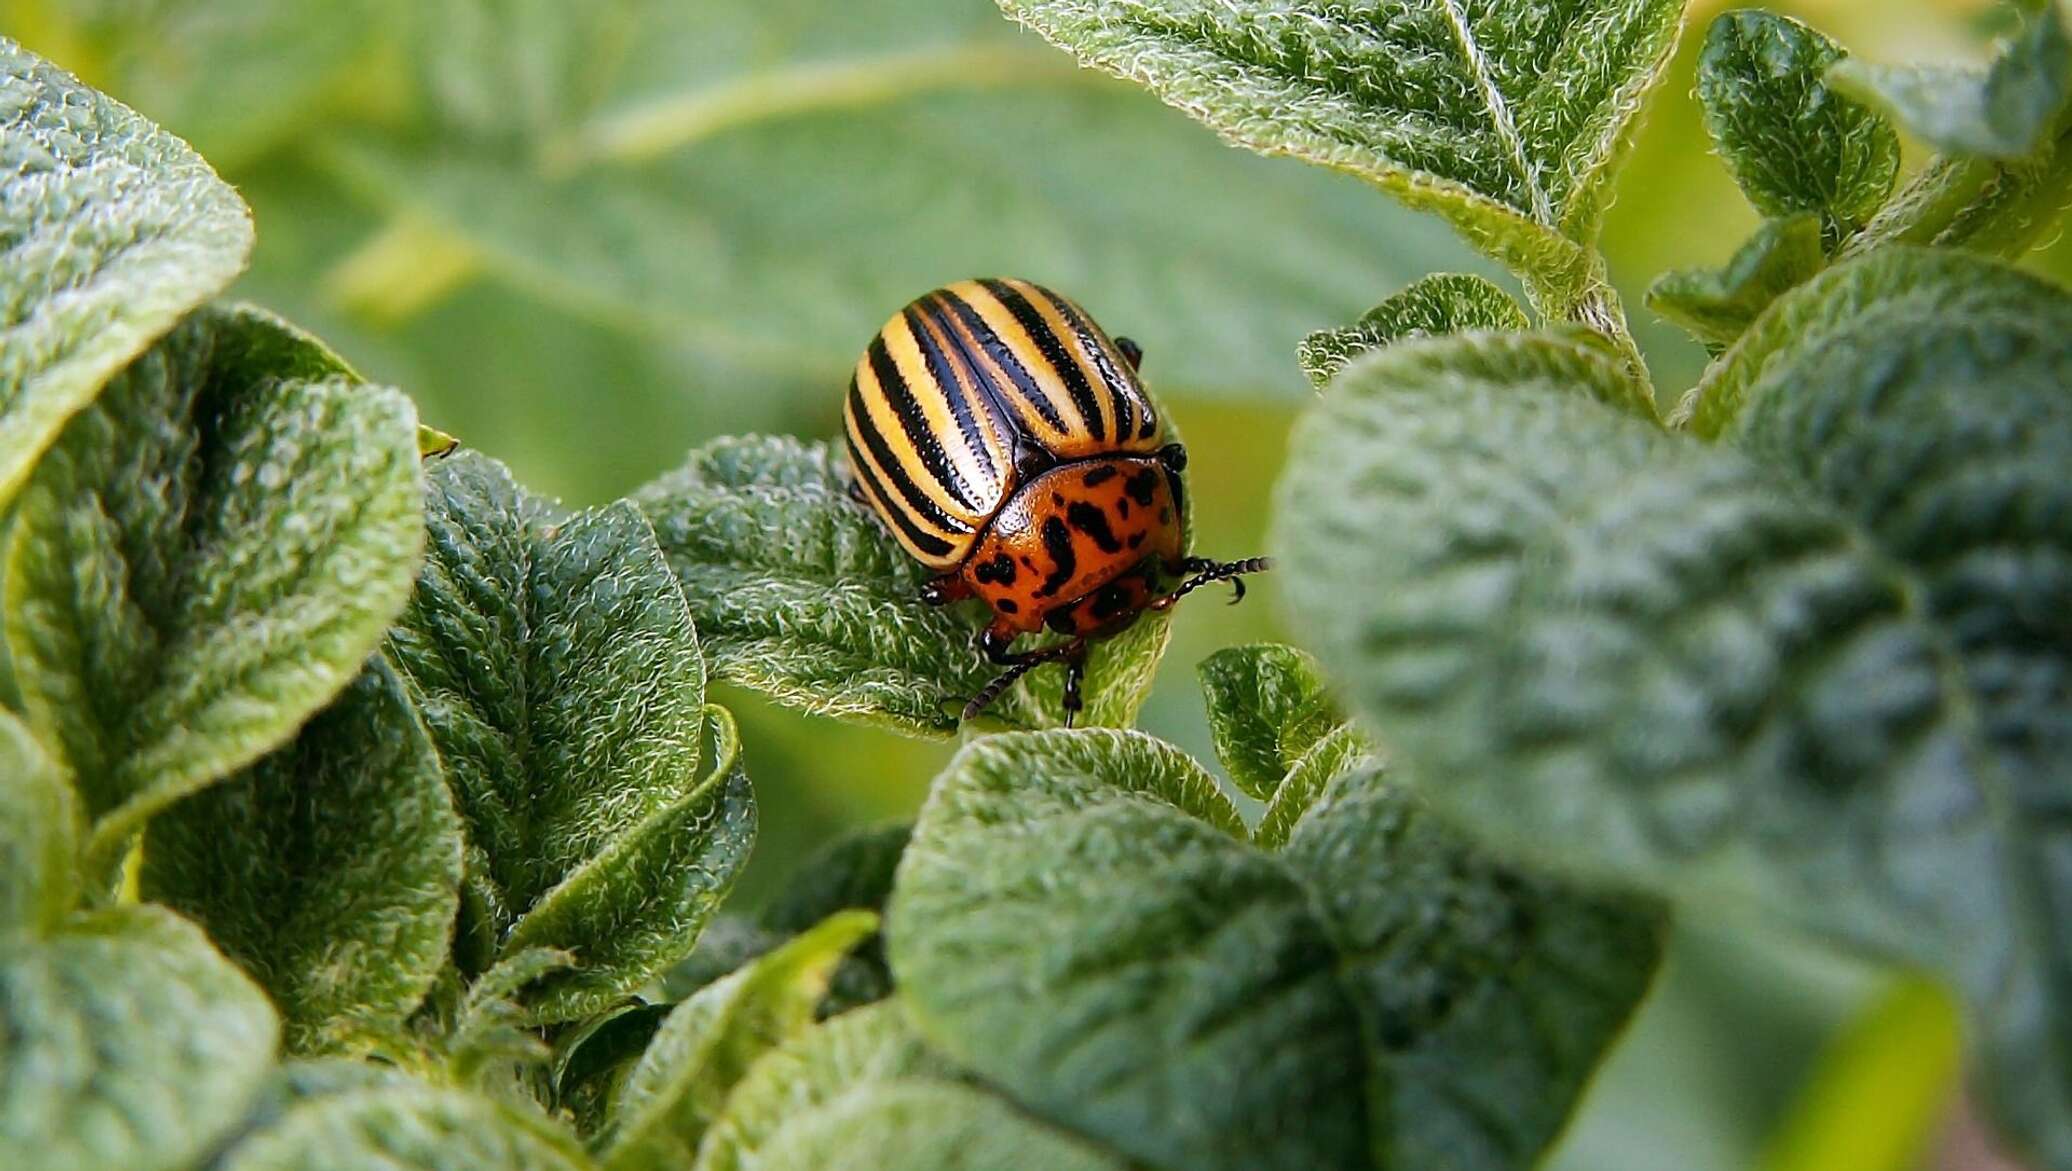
(954, 379)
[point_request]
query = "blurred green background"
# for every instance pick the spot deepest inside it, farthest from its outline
(587, 237)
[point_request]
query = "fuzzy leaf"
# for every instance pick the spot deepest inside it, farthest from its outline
(926, 1126)
(2006, 112)
(1822, 682)
(1717, 305)
(800, 593)
(1504, 119)
(203, 559)
(1445, 302)
(329, 869)
(853, 872)
(1267, 706)
(39, 833)
(709, 1041)
(1069, 933)
(407, 1128)
(113, 229)
(561, 677)
(802, 1077)
(1793, 144)
(1340, 751)
(125, 1041)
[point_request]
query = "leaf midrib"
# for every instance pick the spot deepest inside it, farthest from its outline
(1499, 108)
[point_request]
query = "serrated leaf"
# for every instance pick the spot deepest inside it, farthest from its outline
(926, 1126)
(1445, 302)
(1806, 684)
(809, 1071)
(39, 833)
(1341, 750)
(1066, 931)
(203, 559)
(407, 1128)
(2006, 112)
(558, 669)
(1488, 996)
(1504, 121)
(114, 230)
(330, 868)
(125, 1041)
(1792, 144)
(709, 1041)
(1717, 305)
(1267, 706)
(801, 593)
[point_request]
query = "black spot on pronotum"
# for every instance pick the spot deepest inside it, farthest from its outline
(999, 570)
(1136, 540)
(1165, 516)
(1143, 486)
(1094, 523)
(1122, 507)
(1100, 476)
(1007, 606)
(1057, 499)
(1057, 541)
(1112, 600)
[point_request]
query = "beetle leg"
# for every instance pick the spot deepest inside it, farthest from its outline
(1021, 664)
(855, 490)
(1131, 352)
(1213, 571)
(1075, 675)
(945, 588)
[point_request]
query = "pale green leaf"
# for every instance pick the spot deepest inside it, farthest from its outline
(1341, 750)
(812, 1070)
(1793, 144)
(113, 228)
(517, 69)
(1717, 305)
(1442, 303)
(1487, 996)
(329, 869)
(1998, 207)
(39, 833)
(558, 669)
(709, 1041)
(2007, 112)
(407, 1128)
(204, 558)
(801, 593)
(1267, 707)
(926, 1126)
(125, 1041)
(1069, 932)
(1505, 118)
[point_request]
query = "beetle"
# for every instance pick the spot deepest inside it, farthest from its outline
(1008, 444)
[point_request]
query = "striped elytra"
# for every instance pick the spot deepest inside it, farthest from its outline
(1007, 444)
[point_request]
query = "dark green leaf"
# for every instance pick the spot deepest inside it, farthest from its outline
(114, 229)
(1341, 750)
(1505, 121)
(407, 1128)
(800, 593)
(926, 1126)
(1069, 931)
(593, 1059)
(1443, 303)
(204, 558)
(1267, 706)
(39, 833)
(1717, 305)
(708, 1042)
(1793, 144)
(2007, 112)
(330, 868)
(125, 1041)
(853, 871)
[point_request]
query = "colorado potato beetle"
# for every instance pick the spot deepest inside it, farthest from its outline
(1007, 443)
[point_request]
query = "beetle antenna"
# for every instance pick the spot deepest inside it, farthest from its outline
(1215, 571)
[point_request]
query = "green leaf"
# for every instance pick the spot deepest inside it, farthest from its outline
(114, 230)
(1445, 302)
(1717, 305)
(203, 559)
(802, 594)
(1505, 122)
(926, 1126)
(1988, 206)
(1267, 706)
(1487, 996)
(125, 1041)
(1815, 678)
(2007, 112)
(795, 1083)
(708, 1042)
(1068, 927)
(853, 872)
(407, 1128)
(1793, 144)
(39, 833)
(561, 677)
(593, 1059)
(329, 869)
(1340, 751)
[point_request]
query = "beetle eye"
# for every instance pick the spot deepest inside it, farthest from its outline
(1131, 352)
